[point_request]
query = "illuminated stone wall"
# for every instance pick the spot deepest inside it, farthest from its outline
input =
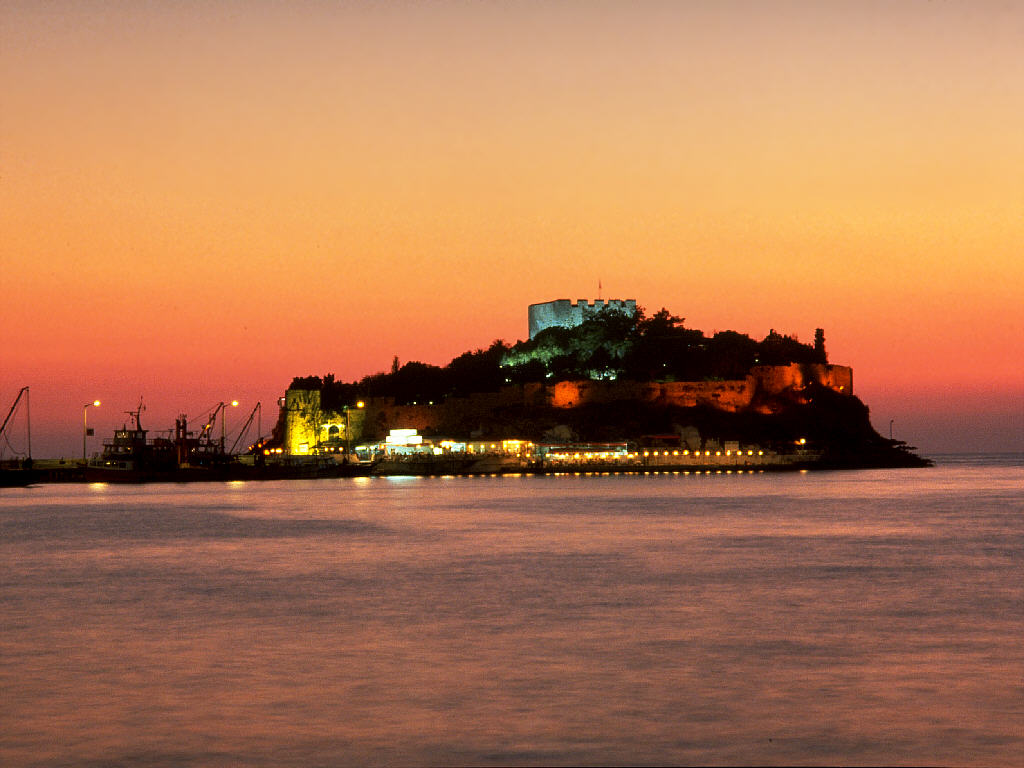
(723, 395)
(776, 379)
(308, 425)
(568, 314)
(302, 412)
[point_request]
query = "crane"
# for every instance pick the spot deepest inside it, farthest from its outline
(248, 422)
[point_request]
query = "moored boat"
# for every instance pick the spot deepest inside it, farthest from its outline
(132, 457)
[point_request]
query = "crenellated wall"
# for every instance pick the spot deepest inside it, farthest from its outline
(568, 314)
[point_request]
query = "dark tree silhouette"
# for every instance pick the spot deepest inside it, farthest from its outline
(819, 345)
(610, 345)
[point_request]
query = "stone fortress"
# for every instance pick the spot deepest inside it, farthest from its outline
(309, 428)
(568, 314)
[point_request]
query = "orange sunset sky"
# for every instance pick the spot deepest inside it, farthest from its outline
(200, 201)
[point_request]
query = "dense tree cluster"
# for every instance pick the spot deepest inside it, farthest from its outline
(416, 382)
(614, 345)
(611, 345)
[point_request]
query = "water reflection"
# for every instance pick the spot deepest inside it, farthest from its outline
(828, 617)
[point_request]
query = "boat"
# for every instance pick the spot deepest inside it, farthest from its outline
(132, 457)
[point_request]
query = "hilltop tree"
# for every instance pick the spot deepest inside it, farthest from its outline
(730, 355)
(663, 348)
(776, 349)
(478, 371)
(819, 345)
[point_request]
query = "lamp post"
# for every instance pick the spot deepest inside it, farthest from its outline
(890, 427)
(348, 430)
(224, 423)
(85, 425)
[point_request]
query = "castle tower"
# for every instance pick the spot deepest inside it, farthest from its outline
(565, 313)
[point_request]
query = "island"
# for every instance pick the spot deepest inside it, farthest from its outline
(601, 385)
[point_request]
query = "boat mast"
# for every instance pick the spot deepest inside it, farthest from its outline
(28, 413)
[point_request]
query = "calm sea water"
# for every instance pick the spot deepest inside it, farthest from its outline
(838, 618)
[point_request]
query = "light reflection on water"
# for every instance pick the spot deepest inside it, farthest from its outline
(859, 617)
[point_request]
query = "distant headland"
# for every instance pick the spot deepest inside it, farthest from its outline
(601, 382)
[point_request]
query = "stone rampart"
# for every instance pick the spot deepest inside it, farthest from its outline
(723, 395)
(776, 379)
(309, 426)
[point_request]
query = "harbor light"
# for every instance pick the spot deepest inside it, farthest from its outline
(85, 425)
(224, 422)
(348, 427)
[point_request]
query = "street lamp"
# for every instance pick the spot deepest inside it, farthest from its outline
(348, 430)
(224, 423)
(85, 425)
